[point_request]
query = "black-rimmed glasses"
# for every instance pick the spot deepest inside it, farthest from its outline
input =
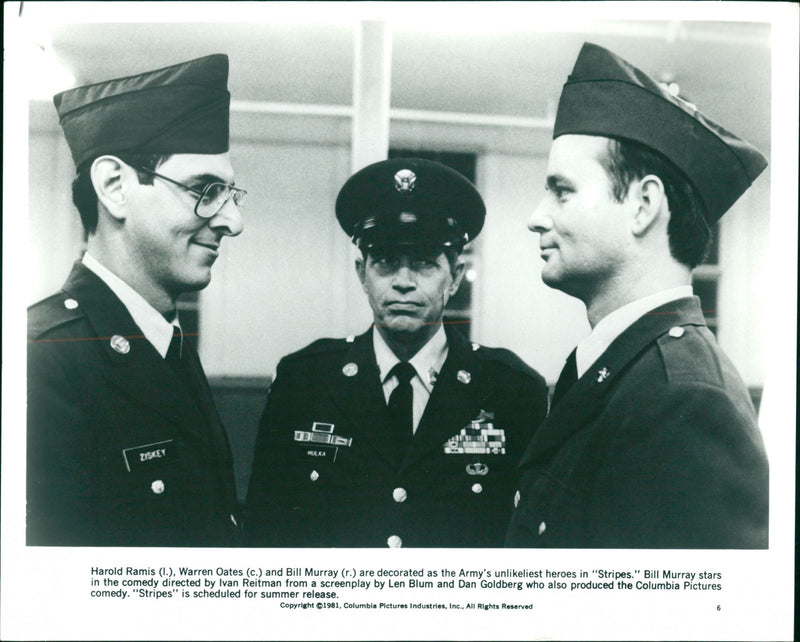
(211, 199)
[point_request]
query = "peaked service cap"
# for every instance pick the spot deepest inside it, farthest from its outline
(607, 96)
(410, 202)
(181, 109)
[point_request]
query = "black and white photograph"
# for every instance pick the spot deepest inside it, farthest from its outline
(336, 311)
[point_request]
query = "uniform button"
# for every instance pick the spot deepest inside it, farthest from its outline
(516, 499)
(477, 488)
(350, 369)
(120, 344)
(676, 332)
(542, 528)
(70, 304)
(475, 347)
(157, 486)
(394, 541)
(399, 495)
(314, 476)
(233, 519)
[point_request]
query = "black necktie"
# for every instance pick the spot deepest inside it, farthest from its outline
(568, 376)
(181, 366)
(174, 351)
(401, 403)
(182, 358)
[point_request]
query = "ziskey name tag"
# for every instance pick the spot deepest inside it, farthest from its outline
(138, 457)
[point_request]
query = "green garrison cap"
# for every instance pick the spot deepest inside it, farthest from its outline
(410, 201)
(607, 96)
(182, 109)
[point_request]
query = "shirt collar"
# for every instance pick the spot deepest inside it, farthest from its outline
(429, 359)
(615, 323)
(156, 329)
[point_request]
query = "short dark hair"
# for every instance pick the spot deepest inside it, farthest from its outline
(85, 198)
(451, 253)
(688, 230)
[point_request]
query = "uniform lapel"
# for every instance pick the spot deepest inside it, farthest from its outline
(586, 398)
(455, 400)
(357, 393)
(140, 373)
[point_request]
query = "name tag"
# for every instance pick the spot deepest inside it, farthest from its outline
(147, 455)
(310, 452)
(320, 443)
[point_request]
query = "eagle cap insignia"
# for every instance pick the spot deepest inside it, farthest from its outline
(405, 180)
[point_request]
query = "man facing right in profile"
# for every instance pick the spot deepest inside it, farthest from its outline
(651, 441)
(125, 446)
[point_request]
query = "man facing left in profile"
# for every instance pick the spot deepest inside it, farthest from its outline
(125, 447)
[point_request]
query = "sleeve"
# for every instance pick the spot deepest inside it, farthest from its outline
(57, 440)
(686, 470)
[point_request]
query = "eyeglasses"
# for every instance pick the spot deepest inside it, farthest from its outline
(211, 199)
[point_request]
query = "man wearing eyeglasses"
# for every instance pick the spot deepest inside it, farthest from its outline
(125, 447)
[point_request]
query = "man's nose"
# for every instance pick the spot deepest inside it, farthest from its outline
(541, 221)
(403, 278)
(229, 219)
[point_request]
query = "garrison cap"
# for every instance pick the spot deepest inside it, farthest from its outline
(181, 109)
(410, 201)
(607, 96)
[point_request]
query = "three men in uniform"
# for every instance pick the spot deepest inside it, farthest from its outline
(407, 435)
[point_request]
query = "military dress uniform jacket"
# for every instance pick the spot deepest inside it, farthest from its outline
(353, 489)
(119, 451)
(655, 446)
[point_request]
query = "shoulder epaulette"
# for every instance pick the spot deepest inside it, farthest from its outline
(52, 313)
(688, 356)
(505, 357)
(320, 346)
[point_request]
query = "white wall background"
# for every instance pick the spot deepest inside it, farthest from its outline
(289, 278)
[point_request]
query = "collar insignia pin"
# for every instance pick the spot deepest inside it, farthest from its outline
(433, 376)
(602, 375)
(120, 344)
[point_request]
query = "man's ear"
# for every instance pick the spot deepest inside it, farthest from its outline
(109, 177)
(458, 274)
(651, 201)
(360, 270)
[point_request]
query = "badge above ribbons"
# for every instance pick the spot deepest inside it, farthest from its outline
(322, 433)
(480, 437)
